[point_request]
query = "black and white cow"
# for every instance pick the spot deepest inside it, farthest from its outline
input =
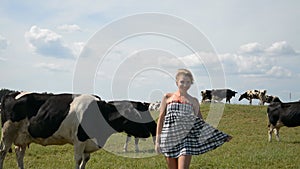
(143, 110)
(282, 114)
(48, 119)
(217, 95)
(206, 96)
(154, 106)
(220, 94)
(254, 94)
(271, 99)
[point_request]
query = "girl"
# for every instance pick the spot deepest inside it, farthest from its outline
(181, 131)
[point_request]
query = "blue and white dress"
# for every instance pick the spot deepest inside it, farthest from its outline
(184, 133)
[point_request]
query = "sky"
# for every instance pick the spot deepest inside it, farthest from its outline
(132, 49)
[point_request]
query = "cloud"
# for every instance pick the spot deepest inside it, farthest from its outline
(69, 28)
(3, 43)
(280, 48)
(77, 48)
(276, 49)
(258, 61)
(251, 48)
(52, 67)
(277, 71)
(47, 43)
(195, 59)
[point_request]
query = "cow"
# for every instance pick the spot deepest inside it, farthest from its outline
(217, 95)
(282, 114)
(254, 94)
(220, 94)
(56, 119)
(143, 110)
(154, 106)
(271, 99)
(206, 96)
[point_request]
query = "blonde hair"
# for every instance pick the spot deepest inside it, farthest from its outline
(184, 72)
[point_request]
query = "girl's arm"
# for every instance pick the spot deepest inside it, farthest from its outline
(196, 106)
(160, 121)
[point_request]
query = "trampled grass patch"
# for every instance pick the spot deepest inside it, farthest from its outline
(249, 148)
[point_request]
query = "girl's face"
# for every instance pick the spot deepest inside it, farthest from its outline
(184, 82)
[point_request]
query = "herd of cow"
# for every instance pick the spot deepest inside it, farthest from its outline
(217, 95)
(86, 121)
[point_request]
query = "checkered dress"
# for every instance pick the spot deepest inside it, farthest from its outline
(183, 133)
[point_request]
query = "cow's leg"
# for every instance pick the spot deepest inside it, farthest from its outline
(128, 138)
(86, 158)
(261, 102)
(6, 142)
(154, 139)
(271, 128)
(78, 154)
(136, 143)
(276, 132)
(4, 149)
(20, 153)
(250, 101)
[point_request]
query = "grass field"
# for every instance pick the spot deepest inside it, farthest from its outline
(249, 148)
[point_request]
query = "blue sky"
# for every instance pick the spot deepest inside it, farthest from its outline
(252, 44)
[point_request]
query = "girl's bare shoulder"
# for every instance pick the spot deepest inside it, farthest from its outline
(195, 100)
(168, 95)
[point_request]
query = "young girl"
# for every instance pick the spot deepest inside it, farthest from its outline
(181, 131)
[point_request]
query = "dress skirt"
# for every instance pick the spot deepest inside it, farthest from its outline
(183, 133)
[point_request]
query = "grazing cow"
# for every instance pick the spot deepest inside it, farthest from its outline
(206, 96)
(217, 95)
(220, 94)
(81, 120)
(154, 106)
(271, 99)
(282, 114)
(254, 94)
(143, 110)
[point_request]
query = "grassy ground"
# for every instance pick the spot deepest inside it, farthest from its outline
(249, 148)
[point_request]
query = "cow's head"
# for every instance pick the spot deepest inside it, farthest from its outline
(271, 99)
(243, 96)
(125, 118)
(263, 92)
(234, 93)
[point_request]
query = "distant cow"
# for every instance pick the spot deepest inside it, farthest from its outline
(81, 120)
(206, 95)
(271, 99)
(218, 95)
(143, 110)
(254, 94)
(282, 114)
(154, 106)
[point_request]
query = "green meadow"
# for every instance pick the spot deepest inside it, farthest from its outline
(249, 148)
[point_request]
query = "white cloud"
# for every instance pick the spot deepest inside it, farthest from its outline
(195, 59)
(47, 43)
(69, 28)
(52, 67)
(3, 43)
(276, 49)
(77, 48)
(251, 48)
(277, 71)
(255, 60)
(281, 48)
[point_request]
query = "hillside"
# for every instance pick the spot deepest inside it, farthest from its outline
(249, 147)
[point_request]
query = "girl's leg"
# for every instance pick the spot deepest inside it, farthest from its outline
(184, 161)
(172, 163)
